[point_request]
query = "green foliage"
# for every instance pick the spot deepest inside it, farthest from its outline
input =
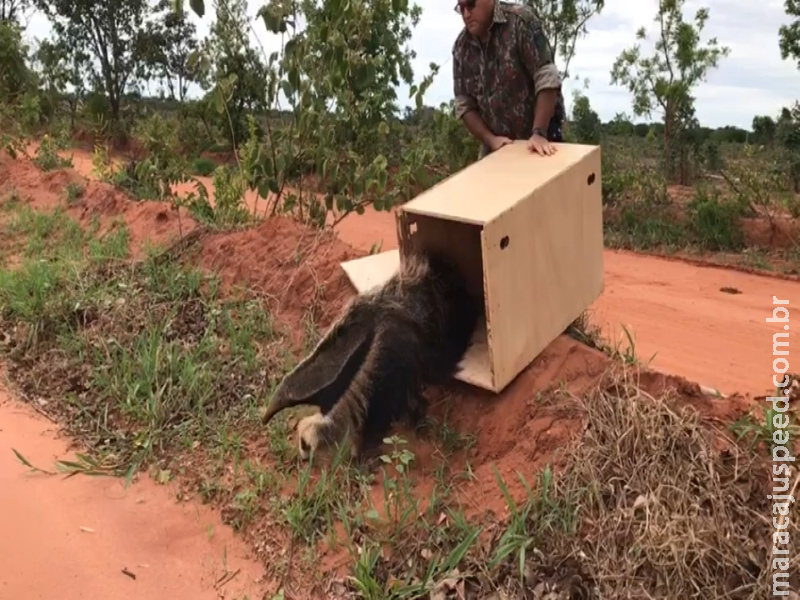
(170, 359)
(585, 126)
(229, 189)
(203, 166)
(757, 180)
(111, 33)
(789, 35)
(20, 109)
(337, 75)
(231, 71)
(47, 157)
(564, 22)
(763, 129)
(168, 48)
(16, 78)
(716, 223)
(664, 80)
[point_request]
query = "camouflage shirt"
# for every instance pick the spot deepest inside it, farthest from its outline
(502, 77)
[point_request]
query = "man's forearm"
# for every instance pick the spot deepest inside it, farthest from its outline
(477, 127)
(545, 108)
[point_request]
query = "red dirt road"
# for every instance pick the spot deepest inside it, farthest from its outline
(177, 552)
(673, 309)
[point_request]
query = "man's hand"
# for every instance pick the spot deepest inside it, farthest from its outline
(498, 142)
(539, 144)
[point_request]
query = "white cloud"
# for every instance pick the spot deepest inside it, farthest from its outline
(751, 80)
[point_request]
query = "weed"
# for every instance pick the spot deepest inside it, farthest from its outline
(641, 498)
(716, 223)
(585, 332)
(47, 157)
(146, 355)
(74, 192)
(203, 167)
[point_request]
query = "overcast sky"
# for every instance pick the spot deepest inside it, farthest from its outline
(751, 80)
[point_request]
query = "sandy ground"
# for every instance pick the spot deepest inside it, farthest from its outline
(675, 310)
(70, 539)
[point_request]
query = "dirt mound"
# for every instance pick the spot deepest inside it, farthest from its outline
(779, 234)
(43, 190)
(297, 270)
(481, 443)
(149, 223)
(530, 424)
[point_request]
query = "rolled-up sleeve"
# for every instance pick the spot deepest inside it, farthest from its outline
(464, 101)
(537, 56)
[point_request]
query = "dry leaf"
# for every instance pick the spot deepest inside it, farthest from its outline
(448, 584)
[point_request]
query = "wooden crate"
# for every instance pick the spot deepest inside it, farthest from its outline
(527, 231)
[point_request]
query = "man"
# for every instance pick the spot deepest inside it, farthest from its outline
(505, 82)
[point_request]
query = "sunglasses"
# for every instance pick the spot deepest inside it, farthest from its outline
(466, 5)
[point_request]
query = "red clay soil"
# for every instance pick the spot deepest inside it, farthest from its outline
(296, 270)
(71, 539)
(147, 222)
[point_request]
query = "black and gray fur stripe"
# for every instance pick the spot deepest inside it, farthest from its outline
(370, 368)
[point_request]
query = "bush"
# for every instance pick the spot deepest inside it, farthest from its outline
(203, 166)
(716, 222)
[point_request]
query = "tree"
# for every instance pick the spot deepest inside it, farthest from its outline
(330, 71)
(19, 108)
(235, 71)
(168, 45)
(15, 76)
(378, 59)
(665, 79)
(564, 22)
(111, 33)
(585, 126)
(764, 129)
(50, 61)
(11, 10)
(789, 35)
(620, 125)
(787, 135)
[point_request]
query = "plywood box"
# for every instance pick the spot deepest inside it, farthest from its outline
(527, 231)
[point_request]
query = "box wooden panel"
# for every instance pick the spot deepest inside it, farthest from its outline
(527, 231)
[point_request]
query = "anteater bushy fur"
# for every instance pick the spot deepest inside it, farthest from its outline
(370, 368)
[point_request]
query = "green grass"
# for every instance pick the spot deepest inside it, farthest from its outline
(147, 356)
